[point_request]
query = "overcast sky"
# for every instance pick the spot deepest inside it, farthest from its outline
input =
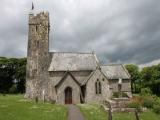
(119, 31)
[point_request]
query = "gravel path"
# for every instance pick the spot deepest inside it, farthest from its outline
(75, 113)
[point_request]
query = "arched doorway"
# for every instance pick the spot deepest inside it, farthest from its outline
(68, 95)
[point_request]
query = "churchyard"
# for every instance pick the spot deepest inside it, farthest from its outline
(15, 107)
(95, 112)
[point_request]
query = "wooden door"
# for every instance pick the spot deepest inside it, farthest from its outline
(68, 95)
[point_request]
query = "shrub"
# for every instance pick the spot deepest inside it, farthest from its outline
(124, 94)
(138, 99)
(135, 105)
(146, 92)
(117, 94)
(156, 100)
(156, 108)
(136, 102)
(13, 89)
(148, 102)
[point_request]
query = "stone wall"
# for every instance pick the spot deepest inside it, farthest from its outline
(38, 57)
(91, 95)
(68, 82)
(55, 78)
(126, 85)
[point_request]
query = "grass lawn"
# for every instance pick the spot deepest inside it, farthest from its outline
(130, 116)
(14, 107)
(123, 116)
(93, 112)
(149, 116)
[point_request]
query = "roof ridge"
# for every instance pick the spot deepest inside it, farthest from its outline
(112, 64)
(96, 59)
(73, 52)
(116, 71)
(126, 71)
(87, 78)
(65, 74)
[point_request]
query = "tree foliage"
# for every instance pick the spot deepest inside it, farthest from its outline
(12, 71)
(151, 78)
(148, 77)
(135, 77)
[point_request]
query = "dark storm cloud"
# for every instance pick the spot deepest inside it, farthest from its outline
(121, 31)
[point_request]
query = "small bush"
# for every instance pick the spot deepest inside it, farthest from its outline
(156, 108)
(148, 102)
(146, 92)
(124, 94)
(13, 89)
(156, 100)
(137, 99)
(136, 102)
(117, 94)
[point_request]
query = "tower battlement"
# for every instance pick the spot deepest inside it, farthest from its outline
(41, 18)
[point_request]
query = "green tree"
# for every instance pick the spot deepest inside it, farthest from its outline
(11, 70)
(6, 74)
(135, 77)
(151, 78)
(21, 74)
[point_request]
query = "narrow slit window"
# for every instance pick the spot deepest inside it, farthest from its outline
(36, 28)
(37, 43)
(98, 87)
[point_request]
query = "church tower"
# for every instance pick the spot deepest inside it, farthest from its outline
(37, 55)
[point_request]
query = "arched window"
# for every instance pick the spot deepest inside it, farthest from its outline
(98, 87)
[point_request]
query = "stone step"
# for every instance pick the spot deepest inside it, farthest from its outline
(118, 103)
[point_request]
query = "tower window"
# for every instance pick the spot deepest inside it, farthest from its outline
(36, 28)
(98, 87)
(37, 43)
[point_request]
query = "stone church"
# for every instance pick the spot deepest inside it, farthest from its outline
(68, 78)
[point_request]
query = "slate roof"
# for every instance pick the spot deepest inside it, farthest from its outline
(73, 61)
(115, 71)
(63, 78)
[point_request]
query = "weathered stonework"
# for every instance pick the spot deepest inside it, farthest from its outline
(90, 88)
(66, 77)
(38, 55)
